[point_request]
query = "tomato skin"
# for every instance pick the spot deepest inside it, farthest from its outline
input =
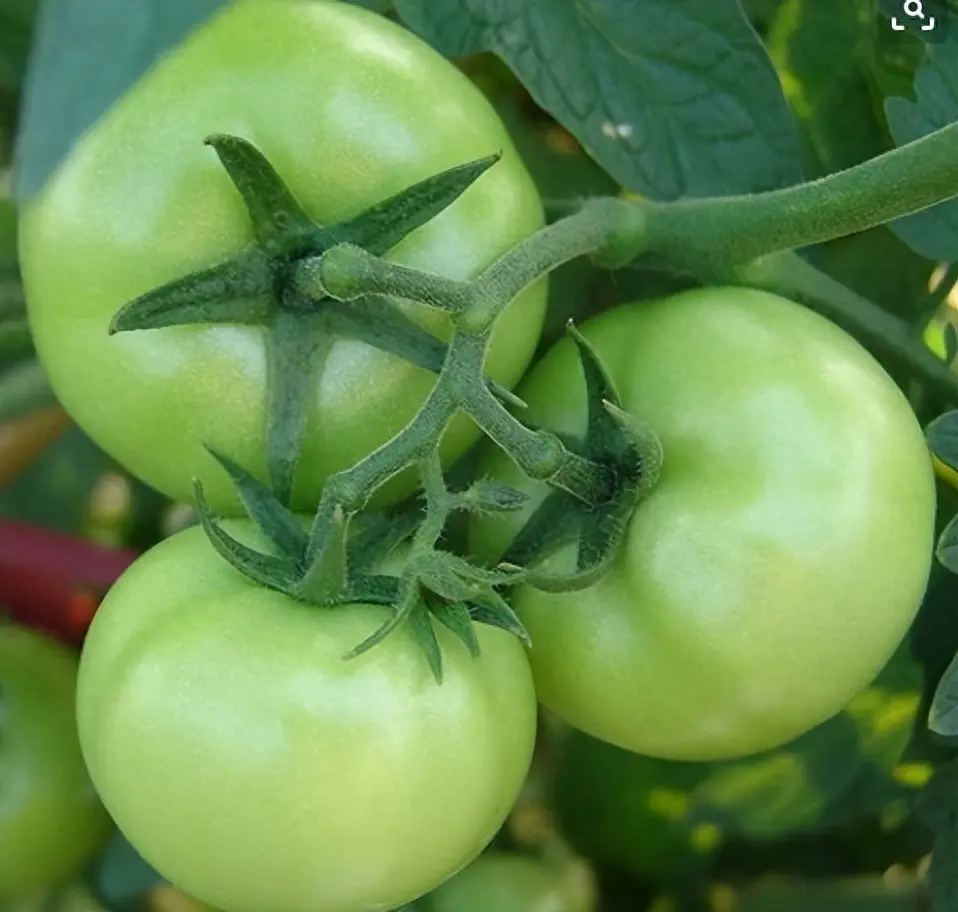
(783, 554)
(350, 109)
(506, 883)
(51, 821)
(281, 776)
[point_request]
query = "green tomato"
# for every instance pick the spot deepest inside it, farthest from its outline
(350, 108)
(257, 770)
(780, 559)
(507, 883)
(662, 819)
(51, 821)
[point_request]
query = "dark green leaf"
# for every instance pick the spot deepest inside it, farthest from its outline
(121, 876)
(943, 717)
(279, 222)
(272, 517)
(821, 49)
(937, 805)
(68, 85)
(950, 337)
(933, 232)
(942, 435)
(943, 873)
(947, 549)
(673, 99)
(239, 291)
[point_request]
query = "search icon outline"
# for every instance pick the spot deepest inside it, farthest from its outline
(913, 8)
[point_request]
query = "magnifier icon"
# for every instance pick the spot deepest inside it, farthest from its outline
(914, 10)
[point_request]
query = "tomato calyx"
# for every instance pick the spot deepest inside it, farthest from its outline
(632, 455)
(433, 585)
(258, 287)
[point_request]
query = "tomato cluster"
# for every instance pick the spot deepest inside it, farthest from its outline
(766, 580)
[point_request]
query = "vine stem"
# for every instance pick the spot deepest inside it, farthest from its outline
(734, 230)
(788, 274)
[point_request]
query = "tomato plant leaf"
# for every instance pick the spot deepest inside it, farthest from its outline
(672, 99)
(121, 876)
(271, 516)
(937, 805)
(943, 716)
(947, 548)
(933, 233)
(68, 87)
(821, 51)
(943, 871)
(942, 436)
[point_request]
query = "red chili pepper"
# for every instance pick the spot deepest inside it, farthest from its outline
(53, 581)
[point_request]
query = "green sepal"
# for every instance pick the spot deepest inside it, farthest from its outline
(633, 455)
(553, 524)
(455, 616)
(371, 589)
(262, 507)
(491, 609)
(240, 291)
(408, 597)
(487, 496)
(280, 573)
(383, 226)
(374, 535)
(280, 224)
(296, 345)
(325, 577)
(420, 623)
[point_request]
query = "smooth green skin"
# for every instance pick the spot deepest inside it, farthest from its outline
(350, 109)
(258, 771)
(504, 883)
(51, 821)
(628, 810)
(782, 556)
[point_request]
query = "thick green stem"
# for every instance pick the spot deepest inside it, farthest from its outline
(591, 230)
(711, 235)
(788, 274)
